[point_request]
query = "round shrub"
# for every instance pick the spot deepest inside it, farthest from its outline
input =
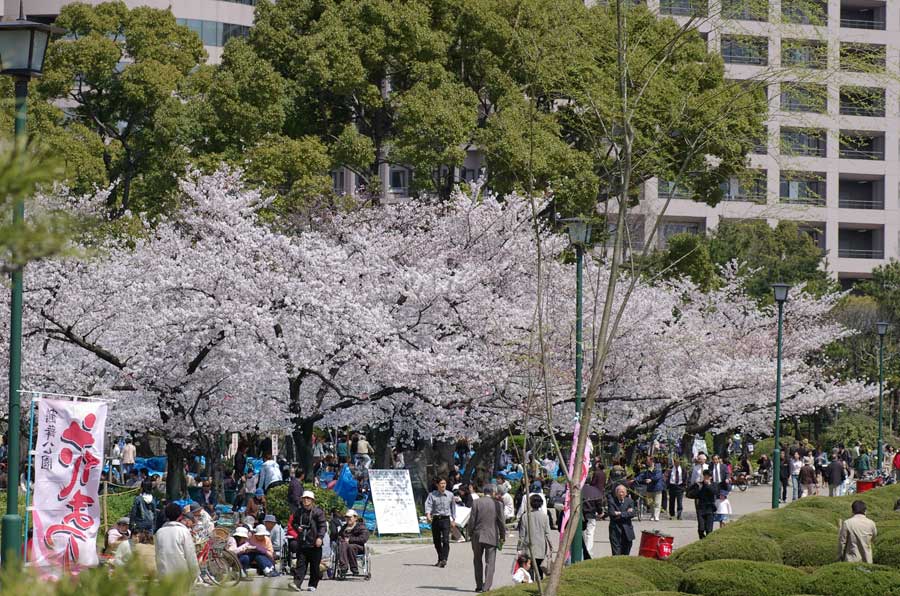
(746, 545)
(887, 549)
(853, 579)
(660, 594)
(606, 582)
(729, 577)
(277, 502)
(663, 575)
(810, 549)
(781, 524)
(826, 507)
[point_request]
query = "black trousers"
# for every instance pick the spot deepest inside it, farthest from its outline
(676, 500)
(705, 523)
(784, 487)
(440, 534)
(619, 543)
(307, 557)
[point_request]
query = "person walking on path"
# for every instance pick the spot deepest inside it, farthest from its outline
(652, 478)
(129, 452)
(310, 527)
(862, 463)
(488, 531)
(440, 511)
(675, 485)
(809, 486)
(785, 475)
(175, 552)
(534, 536)
(857, 534)
(706, 505)
(836, 475)
(621, 532)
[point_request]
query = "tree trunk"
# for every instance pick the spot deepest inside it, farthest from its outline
(302, 438)
(481, 466)
(175, 485)
(442, 458)
(381, 442)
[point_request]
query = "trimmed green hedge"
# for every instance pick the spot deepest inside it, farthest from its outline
(663, 575)
(660, 594)
(277, 502)
(722, 544)
(579, 582)
(781, 524)
(810, 549)
(887, 546)
(729, 577)
(853, 579)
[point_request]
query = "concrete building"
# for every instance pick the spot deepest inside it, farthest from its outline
(833, 150)
(216, 21)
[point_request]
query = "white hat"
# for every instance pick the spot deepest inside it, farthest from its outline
(308, 494)
(261, 531)
(241, 532)
(350, 513)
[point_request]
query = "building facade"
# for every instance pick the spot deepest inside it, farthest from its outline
(215, 21)
(831, 154)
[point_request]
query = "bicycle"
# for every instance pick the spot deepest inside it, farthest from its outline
(740, 481)
(218, 566)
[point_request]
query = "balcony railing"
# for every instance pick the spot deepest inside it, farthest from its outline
(683, 9)
(745, 59)
(875, 24)
(811, 201)
(861, 253)
(871, 154)
(853, 110)
(747, 197)
(856, 203)
(804, 150)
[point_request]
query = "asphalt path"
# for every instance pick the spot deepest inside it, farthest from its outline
(408, 569)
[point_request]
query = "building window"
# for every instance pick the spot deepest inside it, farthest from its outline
(804, 97)
(861, 145)
(668, 190)
(745, 10)
(803, 188)
(752, 187)
(214, 33)
(398, 180)
(684, 8)
(862, 101)
(862, 57)
(337, 181)
(804, 12)
(804, 53)
(811, 142)
(863, 17)
(745, 49)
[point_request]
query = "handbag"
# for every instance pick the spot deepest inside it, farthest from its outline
(693, 491)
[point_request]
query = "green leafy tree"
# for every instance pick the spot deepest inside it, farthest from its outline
(768, 255)
(124, 73)
(369, 78)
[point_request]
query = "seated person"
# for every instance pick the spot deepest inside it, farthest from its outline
(351, 542)
(249, 552)
(276, 534)
(117, 535)
(141, 546)
(264, 558)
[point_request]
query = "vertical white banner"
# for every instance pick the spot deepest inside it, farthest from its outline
(68, 462)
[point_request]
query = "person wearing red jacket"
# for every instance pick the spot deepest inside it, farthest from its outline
(896, 466)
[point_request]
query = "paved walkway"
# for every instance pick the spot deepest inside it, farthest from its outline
(407, 569)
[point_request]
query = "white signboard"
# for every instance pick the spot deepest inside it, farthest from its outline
(395, 507)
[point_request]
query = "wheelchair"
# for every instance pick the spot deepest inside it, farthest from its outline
(363, 563)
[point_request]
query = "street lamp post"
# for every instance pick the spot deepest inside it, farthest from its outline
(882, 328)
(579, 235)
(23, 45)
(781, 296)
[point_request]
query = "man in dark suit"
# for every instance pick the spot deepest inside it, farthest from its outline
(706, 504)
(720, 477)
(621, 532)
(487, 530)
(675, 486)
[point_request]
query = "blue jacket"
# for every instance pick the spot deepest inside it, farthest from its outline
(657, 482)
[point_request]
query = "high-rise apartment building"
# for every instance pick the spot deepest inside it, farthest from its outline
(215, 21)
(830, 161)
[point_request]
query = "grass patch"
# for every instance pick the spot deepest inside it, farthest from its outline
(663, 575)
(810, 549)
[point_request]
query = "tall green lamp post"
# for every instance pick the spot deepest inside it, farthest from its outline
(579, 236)
(882, 328)
(23, 45)
(781, 296)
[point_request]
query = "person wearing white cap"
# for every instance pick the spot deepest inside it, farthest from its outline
(310, 527)
(351, 542)
(264, 557)
(239, 545)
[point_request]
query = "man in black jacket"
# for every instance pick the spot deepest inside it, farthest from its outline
(675, 485)
(835, 474)
(309, 523)
(621, 532)
(706, 505)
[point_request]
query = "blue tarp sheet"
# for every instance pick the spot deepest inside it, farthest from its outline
(347, 488)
